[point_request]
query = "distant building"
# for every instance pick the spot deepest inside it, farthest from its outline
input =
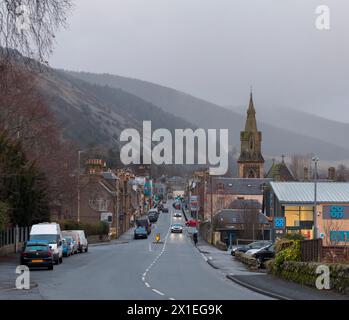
(251, 161)
(280, 172)
(224, 191)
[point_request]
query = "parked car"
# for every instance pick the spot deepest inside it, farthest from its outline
(191, 223)
(253, 245)
(176, 228)
(73, 238)
(82, 240)
(50, 232)
(67, 249)
(37, 254)
(264, 255)
(144, 223)
(177, 205)
(140, 233)
(177, 214)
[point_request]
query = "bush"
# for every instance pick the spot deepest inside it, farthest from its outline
(294, 236)
(291, 253)
(246, 259)
(100, 228)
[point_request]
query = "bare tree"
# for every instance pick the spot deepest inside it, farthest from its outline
(29, 26)
(342, 173)
(298, 163)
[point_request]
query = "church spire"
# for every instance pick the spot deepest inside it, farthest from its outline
(251, 123)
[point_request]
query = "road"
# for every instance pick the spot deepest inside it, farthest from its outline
(136, 270)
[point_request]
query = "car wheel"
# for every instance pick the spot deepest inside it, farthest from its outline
(50, 267)
(86, 249)
(259, 263)
(60, 260)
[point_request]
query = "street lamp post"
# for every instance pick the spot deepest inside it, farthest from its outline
(79, 160)
(315, 160)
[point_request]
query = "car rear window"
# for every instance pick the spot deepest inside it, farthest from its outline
(36, 248)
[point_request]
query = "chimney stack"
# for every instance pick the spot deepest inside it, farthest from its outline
(306, 174)
(331, 173)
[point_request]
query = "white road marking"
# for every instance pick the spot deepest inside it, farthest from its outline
(172, 299)
(147, 285)
(143, 279)
(149, 246)
(158, 292)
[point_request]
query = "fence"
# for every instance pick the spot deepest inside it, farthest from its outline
(311, 250)
(335, 254)
(10, 239)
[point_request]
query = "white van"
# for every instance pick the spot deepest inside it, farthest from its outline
(50, 232)
(82, 241)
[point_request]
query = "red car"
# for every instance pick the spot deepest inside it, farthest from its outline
(191, 223)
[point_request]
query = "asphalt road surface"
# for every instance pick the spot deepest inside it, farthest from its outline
(138, 269)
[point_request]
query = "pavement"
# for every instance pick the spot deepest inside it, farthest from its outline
(126, 269)
(260, 281)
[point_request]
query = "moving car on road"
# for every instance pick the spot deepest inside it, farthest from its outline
(37, 254)
(140, 233)
(50, 232)
(177, 214)
(177, 228)
(165, 209)
(153, 217)
(253, 245)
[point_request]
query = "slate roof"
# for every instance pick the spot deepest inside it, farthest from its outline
(237, 186)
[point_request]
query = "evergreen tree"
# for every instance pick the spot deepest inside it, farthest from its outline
(23, 187)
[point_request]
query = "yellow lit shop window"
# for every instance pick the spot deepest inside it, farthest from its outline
(306, 216)
(292, 208)
(292, 218)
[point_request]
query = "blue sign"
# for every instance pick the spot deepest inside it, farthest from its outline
(339, 236)
(336, 212)
(279, 223)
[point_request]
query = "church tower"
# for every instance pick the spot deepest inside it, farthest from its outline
(251, 161)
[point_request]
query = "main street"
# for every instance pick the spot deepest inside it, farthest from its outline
(133, 269)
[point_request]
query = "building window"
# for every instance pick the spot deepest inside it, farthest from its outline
(299, 219)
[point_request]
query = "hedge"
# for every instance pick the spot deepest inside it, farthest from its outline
(305, 273)
(91, 229)
(246, 259)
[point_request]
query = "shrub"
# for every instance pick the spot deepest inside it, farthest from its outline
(294, 236)
(291, 253)
(91, 229)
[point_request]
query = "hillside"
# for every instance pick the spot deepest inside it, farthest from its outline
(277, 139)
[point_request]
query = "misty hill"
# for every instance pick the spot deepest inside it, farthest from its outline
(277, 139)
(92, 114)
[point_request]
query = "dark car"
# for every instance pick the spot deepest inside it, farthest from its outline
(144, 223)
(165, 209)
(37, 254)
(253, 245)
(264, 255)
(140, 233)
(153, 217)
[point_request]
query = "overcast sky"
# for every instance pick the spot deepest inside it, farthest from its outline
(217, 49)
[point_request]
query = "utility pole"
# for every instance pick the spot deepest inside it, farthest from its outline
(315, 160)
(79, 160)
